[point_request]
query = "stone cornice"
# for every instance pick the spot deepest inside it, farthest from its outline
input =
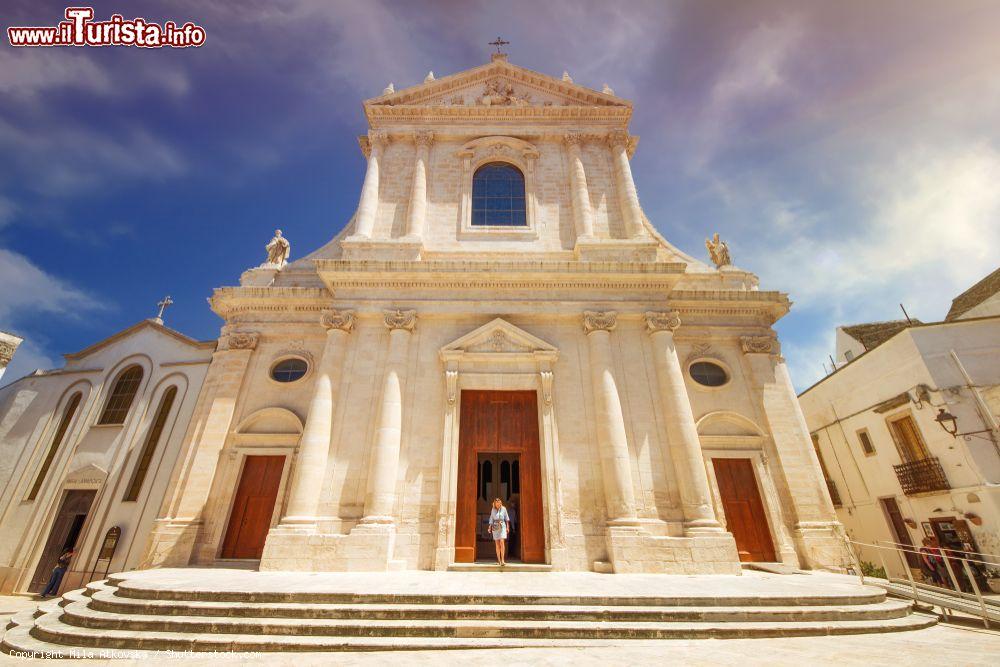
(227, 301)
(614, 115)
(503, 274)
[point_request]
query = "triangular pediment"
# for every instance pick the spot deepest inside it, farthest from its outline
(498, 84)
(498, 337)
(87, 474)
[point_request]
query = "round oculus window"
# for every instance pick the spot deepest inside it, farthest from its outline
(289, 370)
(708, 374)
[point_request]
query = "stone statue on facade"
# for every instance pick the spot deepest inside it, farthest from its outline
(499, 94)
(278, 250)
(718, 251)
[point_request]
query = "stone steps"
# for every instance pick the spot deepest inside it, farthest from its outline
(128, 615)
(107, 601)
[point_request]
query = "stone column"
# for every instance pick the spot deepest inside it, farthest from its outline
(380, 496)
(418, 190)
(682, 434)
(628, 198)
(364, 222)
(314, 447)
(172, 541)
(817, 532)
(616, 463)
(583, 216)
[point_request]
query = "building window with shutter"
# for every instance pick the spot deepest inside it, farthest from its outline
(908, 439)
(149, 446)
(865, 438)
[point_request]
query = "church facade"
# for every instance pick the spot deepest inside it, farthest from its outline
(498, 319)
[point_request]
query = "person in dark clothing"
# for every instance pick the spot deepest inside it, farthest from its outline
(57, 573)
(932, 563)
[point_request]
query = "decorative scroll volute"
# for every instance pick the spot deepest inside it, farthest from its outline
(665, 321)
(759, 345)
(423, 139)
(337, 319)
(400, 319)
(240, 341)
(599, 321)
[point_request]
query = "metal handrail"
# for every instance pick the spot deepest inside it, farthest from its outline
(915, 550)
(940, 592)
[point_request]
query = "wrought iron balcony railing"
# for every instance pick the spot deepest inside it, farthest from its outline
(921, 476)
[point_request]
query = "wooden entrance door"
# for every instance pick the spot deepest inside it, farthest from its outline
(65, 534)
(253, 507)
(899, 531)
(744, 510)
(498, 427)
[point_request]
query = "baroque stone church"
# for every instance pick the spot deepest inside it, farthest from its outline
(498, 319)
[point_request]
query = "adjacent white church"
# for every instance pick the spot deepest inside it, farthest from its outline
(498, 319)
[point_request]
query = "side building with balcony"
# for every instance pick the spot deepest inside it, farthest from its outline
(895, 471)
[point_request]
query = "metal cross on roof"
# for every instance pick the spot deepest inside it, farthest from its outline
(166, 301)
(498, 43)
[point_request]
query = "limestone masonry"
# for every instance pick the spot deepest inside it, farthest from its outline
(642, 418)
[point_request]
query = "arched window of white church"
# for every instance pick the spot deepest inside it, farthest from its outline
(498, 196)
(122, 395)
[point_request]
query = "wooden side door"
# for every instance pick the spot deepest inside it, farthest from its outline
(899, 531)
(744, 510)
(64, 534)
(503, 422)
(253, 507)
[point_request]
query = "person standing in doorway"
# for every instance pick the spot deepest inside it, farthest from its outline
(57, 573)
(500, 526)
(933, 562)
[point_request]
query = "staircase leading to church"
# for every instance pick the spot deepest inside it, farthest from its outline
(125, 612)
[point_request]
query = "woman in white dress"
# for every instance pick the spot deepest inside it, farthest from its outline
(499, 526)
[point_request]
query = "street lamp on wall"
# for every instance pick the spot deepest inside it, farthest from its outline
(949, 423)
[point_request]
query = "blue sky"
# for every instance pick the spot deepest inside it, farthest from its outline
(849, 152)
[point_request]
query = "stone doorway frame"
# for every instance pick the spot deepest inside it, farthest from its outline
(499, 356)
(780, 537)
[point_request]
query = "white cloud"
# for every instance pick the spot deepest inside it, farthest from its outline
(26, 72)
(68, 160)
(29, 290)
(930, 231)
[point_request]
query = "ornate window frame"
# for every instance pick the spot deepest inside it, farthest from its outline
(285, 356)
(515, 152)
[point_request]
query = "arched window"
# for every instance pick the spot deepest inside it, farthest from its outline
(498, 196)
(149, 447)
(122, 395)
(71, 406)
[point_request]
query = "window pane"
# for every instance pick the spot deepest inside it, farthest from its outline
(122, 396)
(289, 370)
(149, 447)
(498, 196)
(57, 439)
